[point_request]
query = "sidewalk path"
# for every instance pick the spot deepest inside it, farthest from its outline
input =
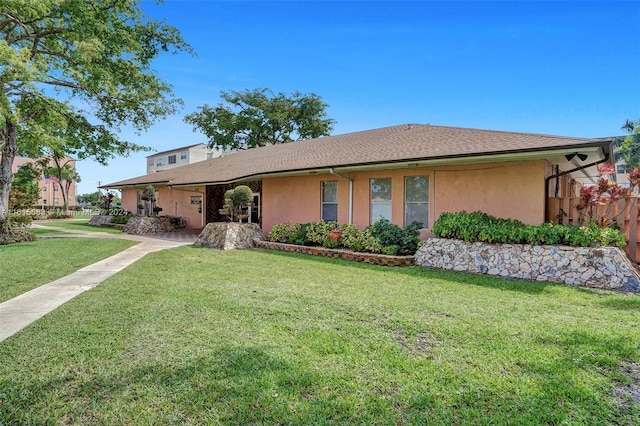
(19, 312)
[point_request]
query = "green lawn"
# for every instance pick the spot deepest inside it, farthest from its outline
(80, 225)
(26, 266)
(42, 231)
(199, 336)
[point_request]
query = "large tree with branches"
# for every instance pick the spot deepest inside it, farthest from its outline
(259, 117)
(73, 73)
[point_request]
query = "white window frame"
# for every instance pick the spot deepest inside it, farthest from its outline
(373, 204)
(324, 202)
(425, 223)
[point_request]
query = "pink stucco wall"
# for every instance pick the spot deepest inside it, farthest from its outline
(510, 190)
(173, 202)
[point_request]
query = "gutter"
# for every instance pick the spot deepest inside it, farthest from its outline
(557, 175)
(350, 203)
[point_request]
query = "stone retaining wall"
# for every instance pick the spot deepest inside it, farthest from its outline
(372, 258)
(148, 225)
(229, 236)
(602, 267)
(100, 219)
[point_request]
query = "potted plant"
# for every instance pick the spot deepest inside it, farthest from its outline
(237, 202)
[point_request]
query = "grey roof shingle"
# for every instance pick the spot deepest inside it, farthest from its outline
(385, 145)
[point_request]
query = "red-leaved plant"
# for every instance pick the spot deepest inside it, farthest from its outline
(597, 201)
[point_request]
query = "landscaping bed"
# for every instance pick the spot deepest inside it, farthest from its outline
(372, 258)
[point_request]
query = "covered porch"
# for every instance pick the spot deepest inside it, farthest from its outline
(214, 196)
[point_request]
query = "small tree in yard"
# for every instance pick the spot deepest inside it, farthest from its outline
(237, 200)
(25, 190)
(105, 200)
(73, 73)
(149, 198)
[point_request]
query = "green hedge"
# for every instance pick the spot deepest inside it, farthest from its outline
(19, 220)
(382, 236)
(481, 227)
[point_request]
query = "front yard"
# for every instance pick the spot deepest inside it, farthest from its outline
(199, 336)
(26, 266)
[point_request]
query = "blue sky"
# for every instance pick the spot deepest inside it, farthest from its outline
(565, 68)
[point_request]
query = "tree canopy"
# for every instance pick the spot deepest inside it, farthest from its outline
(73, 73)
(25, 190)
(65, 174)
(628, 148)
(259, 117)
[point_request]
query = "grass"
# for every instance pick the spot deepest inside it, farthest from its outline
(42, 231)
(26, 266)
(198, 336)
(80, 225)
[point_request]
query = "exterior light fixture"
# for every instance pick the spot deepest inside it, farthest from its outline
(570, 157)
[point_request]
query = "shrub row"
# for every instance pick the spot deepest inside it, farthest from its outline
(19, 220)
(381, 236)
(481, 227)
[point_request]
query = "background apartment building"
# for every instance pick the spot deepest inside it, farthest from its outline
(181, 156)
(50, 191)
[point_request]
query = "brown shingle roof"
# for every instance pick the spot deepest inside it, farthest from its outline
(385, 145)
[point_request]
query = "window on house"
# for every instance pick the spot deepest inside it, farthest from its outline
(44, 189)
(416, 200)
(209, 155)
(161, 161)
(172, 159)
(55, 187)
(56, 201)
(380, 199)
(150, 161)
(330, 200)
(183, 155)
(622, 169)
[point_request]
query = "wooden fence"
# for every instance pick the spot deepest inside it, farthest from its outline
(623, 212)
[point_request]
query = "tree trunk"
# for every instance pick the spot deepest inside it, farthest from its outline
(62, 183)
(9, 150)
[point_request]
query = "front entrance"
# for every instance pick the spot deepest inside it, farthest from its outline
(215, 201)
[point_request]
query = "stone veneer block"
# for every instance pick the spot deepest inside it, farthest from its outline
(229, 236)
(100, 219)
(148, 225)
(599, 267)
(372, 258)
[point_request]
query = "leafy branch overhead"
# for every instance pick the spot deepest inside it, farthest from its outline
(259, 117)
(628, 148)
(73, 74)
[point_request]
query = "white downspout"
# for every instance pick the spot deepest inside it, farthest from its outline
(350, 203)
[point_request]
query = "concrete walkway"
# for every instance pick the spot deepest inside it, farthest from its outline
(19, 312)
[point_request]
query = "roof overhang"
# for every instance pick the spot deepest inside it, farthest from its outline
(565, 158)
